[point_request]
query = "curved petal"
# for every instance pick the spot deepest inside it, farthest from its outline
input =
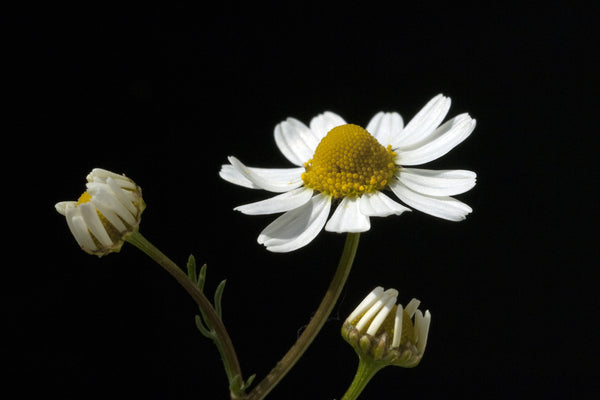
(111, 204)
(379, 205)
(79, 228)
(298, 227)
(374, 309)
(295, 140)
(125, 197)
(348, 218)
(102, 176)
(382, 314)
(364, 305)
(113, 210)
(323, 123)
(422, 323)
(438, 183)
(440, 142)
(276, 180)
(62, 206)
(230, 174)
(425, 121)
(111, 188)
(439, 206)
(94, 224)
(412, 307)
(280, 203)
(386, 128)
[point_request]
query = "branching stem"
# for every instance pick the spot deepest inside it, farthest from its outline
(222, 339)
(316, 323)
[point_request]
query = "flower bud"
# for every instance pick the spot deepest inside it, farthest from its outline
(385, 332)
(106, 213)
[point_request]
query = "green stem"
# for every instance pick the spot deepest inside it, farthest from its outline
(222, 339)
(364, 373)
(316, 323)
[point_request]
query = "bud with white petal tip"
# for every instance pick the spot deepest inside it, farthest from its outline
(386, 333)
(106, 213)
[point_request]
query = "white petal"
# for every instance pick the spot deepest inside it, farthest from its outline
(386, 128)
(99, 174)
(113, 219)
(81, 233)
(295, 140)
(348, 218)
(438, 183)
(273, 180)
(398, 326)
(105, 199)
(113, 210)
(412, 307)
(280, 203)
(298, 227)
(379, 205)
(94, 224)
(425, 121)
(63, 205)
(381, 316)
(422, 329)
(441, 207)
(374, 309)
(126, 197)
(323, 123)
(79, 229)
(102, 177)
(230, 174)
(366, 304)
(440, 142)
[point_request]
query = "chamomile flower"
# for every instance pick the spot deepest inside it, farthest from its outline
(388, 333)
(350, 167)
(106, 213)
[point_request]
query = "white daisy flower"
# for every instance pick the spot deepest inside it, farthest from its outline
(106, 213)
(344, 164)
(386, 332)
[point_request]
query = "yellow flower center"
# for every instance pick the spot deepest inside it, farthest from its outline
(84, 198)
(408, 329)
(349, 162)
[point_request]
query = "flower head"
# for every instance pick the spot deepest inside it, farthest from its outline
(106, 213)
(385, 332)
(345, 164)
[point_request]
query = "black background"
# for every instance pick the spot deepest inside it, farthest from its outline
(165, 92)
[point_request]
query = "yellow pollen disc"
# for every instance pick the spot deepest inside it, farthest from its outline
(349, 162)
(84, 198)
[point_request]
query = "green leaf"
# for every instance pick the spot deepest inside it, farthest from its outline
(201, 278)
(248, 382)
(218, 297)
(191, 268)
(203, 329)
(238, 387)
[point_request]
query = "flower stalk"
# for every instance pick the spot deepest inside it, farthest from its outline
(211, 316)
(366, 370)
(316, 323)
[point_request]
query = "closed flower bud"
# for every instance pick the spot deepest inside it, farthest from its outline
(106, 213)
(388, 333)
